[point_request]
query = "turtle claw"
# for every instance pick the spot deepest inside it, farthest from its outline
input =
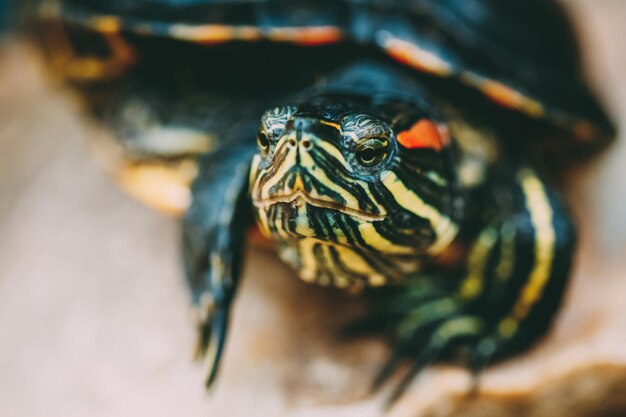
(212, 332)
(483, 351)
(215, 345)
(440, 334)
(428, 355)
(415, 329)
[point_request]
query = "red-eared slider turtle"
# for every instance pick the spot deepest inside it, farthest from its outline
(398, 145)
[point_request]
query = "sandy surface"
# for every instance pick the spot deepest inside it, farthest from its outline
(93, 308)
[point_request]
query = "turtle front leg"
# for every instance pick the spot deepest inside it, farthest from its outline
(214, 230)
(509, 291)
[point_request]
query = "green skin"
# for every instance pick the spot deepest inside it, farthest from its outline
(349, 205)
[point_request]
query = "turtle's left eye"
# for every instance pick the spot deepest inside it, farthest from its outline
(263, 142)
(371, 152)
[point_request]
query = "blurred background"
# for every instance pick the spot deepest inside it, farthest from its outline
(94, 312)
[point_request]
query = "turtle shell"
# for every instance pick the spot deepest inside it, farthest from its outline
(519, 54)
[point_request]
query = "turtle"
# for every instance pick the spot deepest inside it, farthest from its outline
(405, 150)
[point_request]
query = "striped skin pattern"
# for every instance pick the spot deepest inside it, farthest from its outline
(345, 223)
(347, 205)
(363, 192)
(507, 288)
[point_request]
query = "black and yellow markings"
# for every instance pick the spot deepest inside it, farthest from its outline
(306, 36)
(473, 283)
(445, 228)
(373, 239)
(503, 94)
(273, 121)
(351, 248)
(428, 312)
(505, 266)
(315, 177)
(412, 54)
(213, 33)
(494, 262)
(541, 217)
(338, 262)
(325, 263)
(78, 68)
(219, 33)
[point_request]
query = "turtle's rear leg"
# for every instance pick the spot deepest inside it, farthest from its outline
(508, 293)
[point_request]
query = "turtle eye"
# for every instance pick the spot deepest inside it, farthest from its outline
(263, 142)
(371, 152)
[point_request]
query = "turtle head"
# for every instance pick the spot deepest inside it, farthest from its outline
(371, 176)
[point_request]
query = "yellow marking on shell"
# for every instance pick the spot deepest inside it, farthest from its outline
(86, 68)
(214, 33)
(218, 33)
(409, 53)
(165, 188)
(540, 211)
(472, 284)
(504, 95)
(377, 241)
(105, 24)
(311, 36)
(445, 229)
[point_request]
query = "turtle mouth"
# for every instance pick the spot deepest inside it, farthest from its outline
(298, 198)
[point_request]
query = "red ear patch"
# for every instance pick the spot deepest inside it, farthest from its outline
(423, 134)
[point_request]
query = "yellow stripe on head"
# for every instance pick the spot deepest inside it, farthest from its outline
(445, 229)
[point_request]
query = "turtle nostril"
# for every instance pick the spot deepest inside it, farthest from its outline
(307, 144)
(291, 143)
